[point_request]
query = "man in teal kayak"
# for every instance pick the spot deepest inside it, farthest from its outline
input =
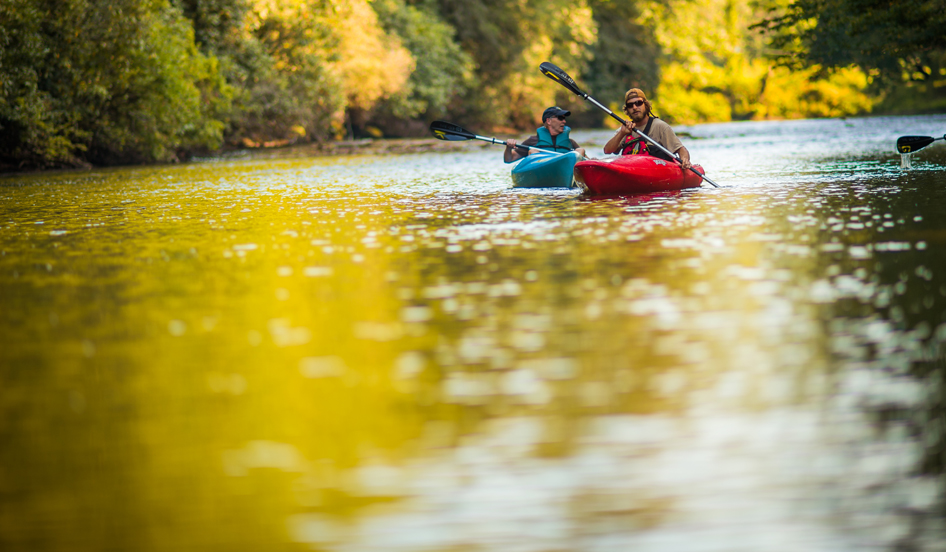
(625, 142)
(551, 136)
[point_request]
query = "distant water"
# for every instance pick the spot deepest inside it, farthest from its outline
(401, 353)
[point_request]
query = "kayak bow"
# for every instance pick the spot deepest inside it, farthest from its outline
(545, 170)
(633, 174)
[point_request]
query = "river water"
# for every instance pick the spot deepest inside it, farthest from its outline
(401, 353)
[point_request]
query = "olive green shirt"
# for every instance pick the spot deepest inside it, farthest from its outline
(664, 135)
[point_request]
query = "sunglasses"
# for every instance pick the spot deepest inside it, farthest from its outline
(560, 118)
(638, 103)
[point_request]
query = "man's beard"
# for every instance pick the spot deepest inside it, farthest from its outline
(638, 117)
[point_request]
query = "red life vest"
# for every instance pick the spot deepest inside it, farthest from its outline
(639, 146)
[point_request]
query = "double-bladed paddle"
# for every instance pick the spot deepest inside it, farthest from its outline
(448, 131)
(910, 144)
(556, 74)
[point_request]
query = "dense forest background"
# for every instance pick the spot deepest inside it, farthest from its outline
(135, 81)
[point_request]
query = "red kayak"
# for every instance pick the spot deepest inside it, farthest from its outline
(634, 174)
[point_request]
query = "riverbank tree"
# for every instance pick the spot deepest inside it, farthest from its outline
(104, 82)
(901, 45)
(116, 81)
(715, 68)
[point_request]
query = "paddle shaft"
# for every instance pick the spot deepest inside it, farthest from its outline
(648, 138)
(500, 142)
(442, 129)
(518, 146)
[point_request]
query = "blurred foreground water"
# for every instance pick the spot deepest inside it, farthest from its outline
(400, 353)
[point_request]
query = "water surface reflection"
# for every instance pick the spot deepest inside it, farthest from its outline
(401, 353)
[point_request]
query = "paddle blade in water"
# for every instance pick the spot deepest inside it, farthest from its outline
(448, 131)
(556, 74)
(909, 144)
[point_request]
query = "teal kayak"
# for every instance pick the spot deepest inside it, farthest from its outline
(545, 170)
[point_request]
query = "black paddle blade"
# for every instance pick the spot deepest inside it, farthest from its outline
(448, 131)
(556, 74)
(909, 144)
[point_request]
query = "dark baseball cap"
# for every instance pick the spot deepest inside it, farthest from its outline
(555, 112)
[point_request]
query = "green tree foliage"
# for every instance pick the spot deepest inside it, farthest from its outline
(373, 65)
(217, 23)
(32, 130)
(494, 32)
(103, 81)
(118, 81)
(507, 41)
(874, 34)
(276, 58)
(714, 69)
(443, 71)
(625, 55)
(902, 45)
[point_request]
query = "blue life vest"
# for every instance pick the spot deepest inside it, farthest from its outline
(553, 143)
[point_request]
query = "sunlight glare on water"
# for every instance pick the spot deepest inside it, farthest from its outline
(401, 353)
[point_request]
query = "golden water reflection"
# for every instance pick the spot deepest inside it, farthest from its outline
(350, 355)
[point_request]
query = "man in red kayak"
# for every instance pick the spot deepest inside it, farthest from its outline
(551, 136)
(625, 142)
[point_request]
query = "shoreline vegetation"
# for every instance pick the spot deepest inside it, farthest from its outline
(93, 83)
(359, 146)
